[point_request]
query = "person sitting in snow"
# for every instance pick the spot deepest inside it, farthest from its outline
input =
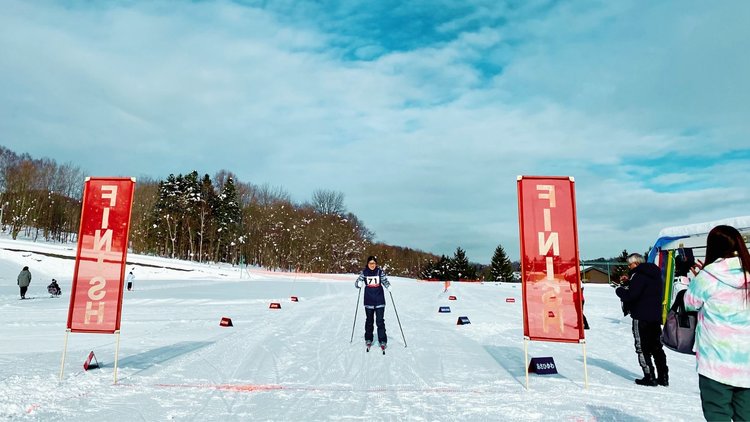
(54, 288)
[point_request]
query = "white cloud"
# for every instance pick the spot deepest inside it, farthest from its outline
(425, 142)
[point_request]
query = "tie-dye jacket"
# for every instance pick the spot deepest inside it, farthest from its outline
(722, 337)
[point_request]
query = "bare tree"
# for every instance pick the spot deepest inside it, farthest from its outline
(328, 202)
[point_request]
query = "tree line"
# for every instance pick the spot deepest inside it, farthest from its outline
(39, 197)
(458, 267)
(204, 219)
(221, 219)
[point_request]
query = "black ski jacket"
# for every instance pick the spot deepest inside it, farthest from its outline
(643, 294)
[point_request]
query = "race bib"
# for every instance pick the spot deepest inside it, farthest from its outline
(373, 281)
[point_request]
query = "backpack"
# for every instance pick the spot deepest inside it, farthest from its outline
(678, 333)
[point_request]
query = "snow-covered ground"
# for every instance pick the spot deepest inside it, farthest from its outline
(297, 363)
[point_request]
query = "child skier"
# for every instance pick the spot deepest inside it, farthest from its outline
(373, 279)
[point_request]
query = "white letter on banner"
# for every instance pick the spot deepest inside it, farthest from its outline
(105, 218)
(112, 195)
(89, 312)
(549, 195)
(550, 269)
(102, 242)
(97, 284)
(551, 242)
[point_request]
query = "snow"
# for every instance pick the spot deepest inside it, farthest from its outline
(297, 363)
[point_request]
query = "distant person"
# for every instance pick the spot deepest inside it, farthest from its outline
(583, 302)
(54, 288)
(720, 294)
(643, 297)
(373, 279)
(576, 294)
(130, 279)
(24, 279)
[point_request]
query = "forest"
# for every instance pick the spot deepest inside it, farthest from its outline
(202, 218)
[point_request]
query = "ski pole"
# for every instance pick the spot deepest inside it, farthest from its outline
(355, 314)
(397, 318)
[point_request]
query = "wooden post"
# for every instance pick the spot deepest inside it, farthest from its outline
(526, 359)
(65, 349)
(117, 353)
(585, 368)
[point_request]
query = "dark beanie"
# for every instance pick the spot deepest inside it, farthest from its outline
(372, 258)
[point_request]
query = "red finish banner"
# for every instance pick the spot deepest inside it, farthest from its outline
(96, 297)
(551, 279)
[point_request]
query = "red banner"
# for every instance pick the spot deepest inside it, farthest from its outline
(96, 298)
(551, 278)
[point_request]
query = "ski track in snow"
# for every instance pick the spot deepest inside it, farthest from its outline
(297, 364)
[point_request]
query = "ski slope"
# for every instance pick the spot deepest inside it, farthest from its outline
(297, 363)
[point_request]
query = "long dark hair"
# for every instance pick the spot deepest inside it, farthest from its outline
(727, 242)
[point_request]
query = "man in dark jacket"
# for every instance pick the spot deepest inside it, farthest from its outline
(643, 296)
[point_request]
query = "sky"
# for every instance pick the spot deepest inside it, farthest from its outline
(421, 113)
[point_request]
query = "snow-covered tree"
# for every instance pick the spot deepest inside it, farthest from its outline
(500, 267)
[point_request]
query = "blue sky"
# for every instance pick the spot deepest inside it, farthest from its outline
(422, 113)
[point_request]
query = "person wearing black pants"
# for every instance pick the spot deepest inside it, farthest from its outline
(24, 279)
(647, 335)
(642, 296)
(377, 314)
(373, 279)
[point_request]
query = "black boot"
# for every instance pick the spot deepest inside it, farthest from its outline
(648, 380)
(663, 378)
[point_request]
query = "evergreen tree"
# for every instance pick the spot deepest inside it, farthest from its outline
(444, 269)
(428, 271)
(205, 215)
(501, 268)
(227, 216)
(461, 267)
(163, 227)
(620, 270)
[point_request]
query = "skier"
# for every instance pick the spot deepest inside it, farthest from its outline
(54, 288)
(130, 279)
(373, 279)
(24, 279)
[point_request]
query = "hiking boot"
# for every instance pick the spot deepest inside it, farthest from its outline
(647, 380)
(663, 379)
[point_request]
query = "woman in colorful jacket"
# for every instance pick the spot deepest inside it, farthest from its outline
(721, 295)
(373, 279)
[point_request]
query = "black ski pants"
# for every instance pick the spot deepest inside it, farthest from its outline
(375, 315)
(647, 335)
(23, 291)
